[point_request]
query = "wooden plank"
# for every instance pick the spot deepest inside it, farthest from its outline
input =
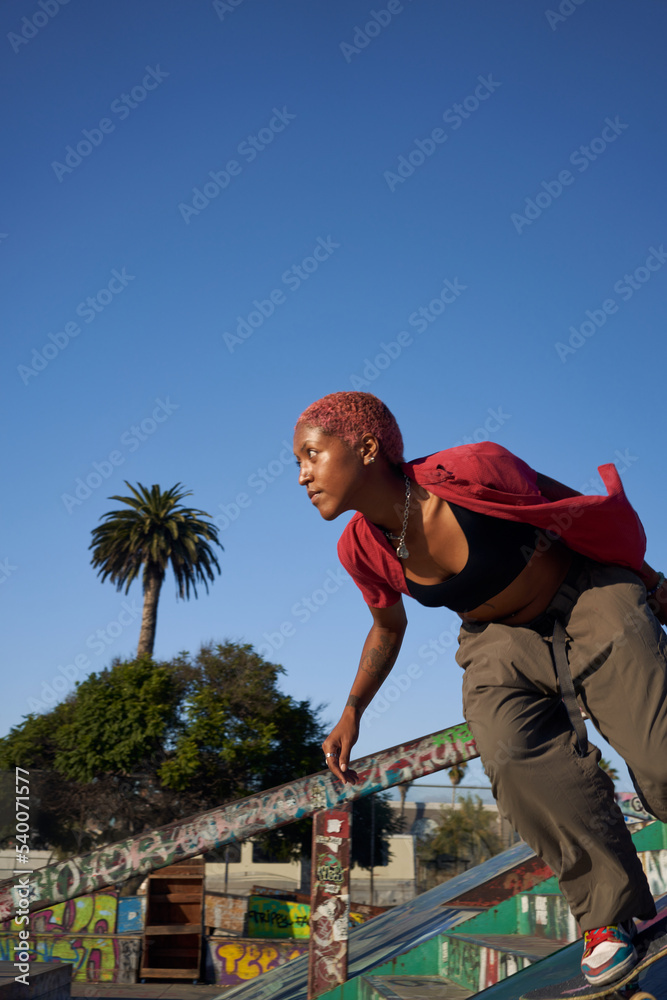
(172, 929)
(189, 867)
(176, 897)
(192, 973)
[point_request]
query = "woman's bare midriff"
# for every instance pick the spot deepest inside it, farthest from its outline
(531, 592)
(527, 596)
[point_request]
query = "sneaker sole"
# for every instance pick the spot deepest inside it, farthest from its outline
(611, 975)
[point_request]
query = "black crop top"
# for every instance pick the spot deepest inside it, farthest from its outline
(497, 552)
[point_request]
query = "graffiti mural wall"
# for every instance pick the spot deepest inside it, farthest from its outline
(230, 961)
(275, 918)
(94, 914)
(108, 959)
(81, 932)
(477, 968)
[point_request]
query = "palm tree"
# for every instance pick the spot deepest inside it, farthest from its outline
(609, 769)
(456, 776)
(464, 837)
(403, 791)
(156, 531)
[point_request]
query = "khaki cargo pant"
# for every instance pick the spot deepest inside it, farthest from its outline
(562, 804)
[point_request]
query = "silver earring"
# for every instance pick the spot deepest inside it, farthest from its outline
(371, 459)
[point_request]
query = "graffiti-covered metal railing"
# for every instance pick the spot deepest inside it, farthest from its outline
(237, 821)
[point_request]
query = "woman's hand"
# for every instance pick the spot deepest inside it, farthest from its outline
(338, 745)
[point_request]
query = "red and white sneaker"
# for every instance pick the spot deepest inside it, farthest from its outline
(608, 953)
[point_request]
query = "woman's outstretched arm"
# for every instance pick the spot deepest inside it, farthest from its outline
(378, 656)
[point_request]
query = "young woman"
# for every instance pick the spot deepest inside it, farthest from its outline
(552, 591)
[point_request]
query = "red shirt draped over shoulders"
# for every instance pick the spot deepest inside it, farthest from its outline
(489, 479)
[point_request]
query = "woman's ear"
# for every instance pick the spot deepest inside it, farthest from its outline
(369, 448)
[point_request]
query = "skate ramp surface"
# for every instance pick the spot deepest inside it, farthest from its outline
(384, 937)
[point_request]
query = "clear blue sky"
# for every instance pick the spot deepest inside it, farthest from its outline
(162, 334)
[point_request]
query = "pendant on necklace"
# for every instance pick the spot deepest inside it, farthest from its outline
(402, 551)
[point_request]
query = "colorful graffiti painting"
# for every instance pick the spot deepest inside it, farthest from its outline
(275, 918)
(475, 969)
(654, 864)
(233, 961)
(95, 914)
(131, 915)
(330, 900)
(286, 919)
(107, 959)
(81, 932)
(237, 821)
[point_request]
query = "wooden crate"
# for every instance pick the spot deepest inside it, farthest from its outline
(174, 923)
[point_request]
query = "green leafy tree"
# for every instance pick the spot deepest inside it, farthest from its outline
(143, 743)
(154, 533)
(93, 758)
(370, 833)
(464, 837)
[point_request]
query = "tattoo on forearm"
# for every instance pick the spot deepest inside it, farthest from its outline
(353, 701)
(378, 662)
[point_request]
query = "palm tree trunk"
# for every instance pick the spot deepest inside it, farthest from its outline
(149, 614)
(403, 791)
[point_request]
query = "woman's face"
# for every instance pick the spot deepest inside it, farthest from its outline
(329, 468)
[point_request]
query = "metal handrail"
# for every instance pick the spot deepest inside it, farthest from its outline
(235, 821)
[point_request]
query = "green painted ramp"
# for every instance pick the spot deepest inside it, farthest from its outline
(566, 963)
(379, 940)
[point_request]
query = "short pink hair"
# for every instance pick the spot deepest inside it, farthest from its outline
(348, 415)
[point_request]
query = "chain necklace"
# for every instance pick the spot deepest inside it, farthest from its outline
(402, 550)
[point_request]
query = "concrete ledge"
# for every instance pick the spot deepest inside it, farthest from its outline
(45, 979)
